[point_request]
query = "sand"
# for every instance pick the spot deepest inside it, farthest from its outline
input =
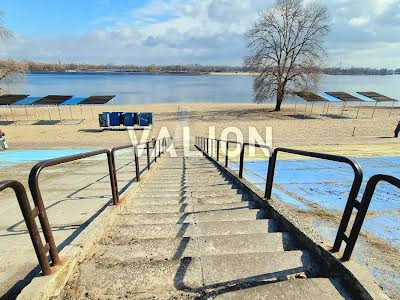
(288, 129)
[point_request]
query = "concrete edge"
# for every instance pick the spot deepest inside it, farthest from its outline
(45, 287)
(357, 278)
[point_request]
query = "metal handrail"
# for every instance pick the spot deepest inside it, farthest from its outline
(29, 215)
(351, 203)
(161, 149)
(38, 200)
(40, 211)
(352, 199)
(362, 211)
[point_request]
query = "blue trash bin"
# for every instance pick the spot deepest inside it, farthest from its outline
(104, 119)
(115, 118)
(146, 119)
(130, 119)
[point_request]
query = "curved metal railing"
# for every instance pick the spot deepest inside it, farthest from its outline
(351, 204)
(30, 215)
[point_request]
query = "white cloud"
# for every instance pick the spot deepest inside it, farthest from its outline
(359, 21)
(211, 32)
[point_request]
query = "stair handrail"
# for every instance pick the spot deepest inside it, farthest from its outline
(30, 215)
(351, 203)
(363, 209)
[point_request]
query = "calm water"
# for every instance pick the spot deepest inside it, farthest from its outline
(153, 88)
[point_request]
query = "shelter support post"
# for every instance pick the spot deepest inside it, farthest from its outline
(312, 107)
(5, 114)
(373, 112)
(48, 108)
(26, 113)
(358, 111)
(59, 112)
(12, 114)
(34, 109)
(391, 110)
(327, 109)
(305, 111)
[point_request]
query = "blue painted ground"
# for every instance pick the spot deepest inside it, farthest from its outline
(327, 184)
(15, 157)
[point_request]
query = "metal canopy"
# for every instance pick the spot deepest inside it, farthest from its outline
(377, 97)
(97, 99)
(11, 99)
(52, 100)
(311, 97)
(345, 97)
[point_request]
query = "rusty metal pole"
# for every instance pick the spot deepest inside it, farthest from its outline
(44, 221)
(218, 150)
(241, 162)
(137, 163)
(226, 154)
(29, 217)
(148, 155)
(113, 176)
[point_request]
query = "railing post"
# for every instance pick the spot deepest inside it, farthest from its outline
(241, 162)
(226, 154)
(208, 145)
(29, 217)
(137, 163)
(113, 177)
(44, 221)
(148, 154)
(112, 168)
(217, 150)
(159, 148)
(270, 175)
(155, 150)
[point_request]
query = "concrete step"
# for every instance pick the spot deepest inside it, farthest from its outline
(306, 288)
(184, 207)
(146, 200)
(193, 194)
(189, 217)
(186, 187)
(124, 234)
(191, 273)
(177, 248)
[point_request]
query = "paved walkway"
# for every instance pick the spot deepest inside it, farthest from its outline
(190, 234)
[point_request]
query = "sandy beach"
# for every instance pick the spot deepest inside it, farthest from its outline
(289, 129)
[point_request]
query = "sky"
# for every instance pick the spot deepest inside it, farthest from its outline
(364, 32)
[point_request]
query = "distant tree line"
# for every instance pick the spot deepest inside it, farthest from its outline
(360, 71)
(191, 68)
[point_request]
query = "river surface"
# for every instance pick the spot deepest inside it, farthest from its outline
(170, 88)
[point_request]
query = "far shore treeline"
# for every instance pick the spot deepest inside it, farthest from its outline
(193, 68)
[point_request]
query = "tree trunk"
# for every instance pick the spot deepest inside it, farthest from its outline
(279, 99)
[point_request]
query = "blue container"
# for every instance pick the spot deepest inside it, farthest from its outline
(145, 119)
(115, 118)
(104, 119)
(130, 119)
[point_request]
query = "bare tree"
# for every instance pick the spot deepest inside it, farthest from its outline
(287, 49)
(10, 70)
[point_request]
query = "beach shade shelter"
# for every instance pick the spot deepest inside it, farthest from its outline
(378, 98)
(345, 97)
(96, 100)
(8, 100)
(52, 100)
(312, 98)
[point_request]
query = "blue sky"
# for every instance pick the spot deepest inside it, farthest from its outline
(365, 32)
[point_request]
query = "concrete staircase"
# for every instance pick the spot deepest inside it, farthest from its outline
(190, 234)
